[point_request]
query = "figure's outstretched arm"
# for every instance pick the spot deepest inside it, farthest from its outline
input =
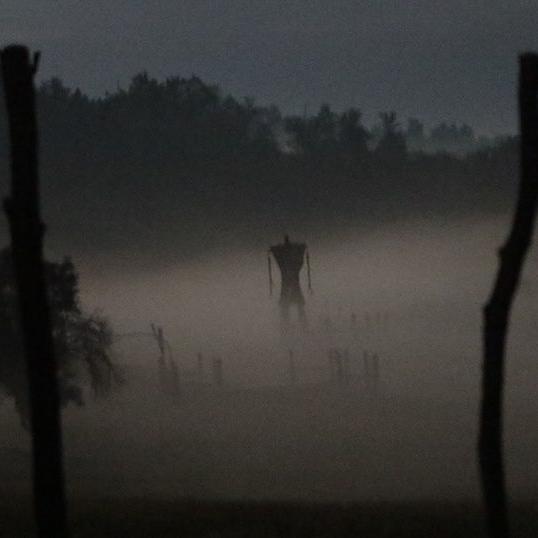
(269, 267)
(308, 271)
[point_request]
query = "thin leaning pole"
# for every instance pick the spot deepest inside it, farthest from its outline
(27, 230)
(497, 310)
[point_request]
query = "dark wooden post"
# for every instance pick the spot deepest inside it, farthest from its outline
(27, 229)
(497, 310)
(163, 373)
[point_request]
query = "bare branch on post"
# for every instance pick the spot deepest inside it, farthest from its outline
(497, 310)
(27, 229)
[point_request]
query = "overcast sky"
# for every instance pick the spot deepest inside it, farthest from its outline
(452, 60)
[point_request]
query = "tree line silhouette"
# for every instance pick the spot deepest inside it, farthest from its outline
(146, 159)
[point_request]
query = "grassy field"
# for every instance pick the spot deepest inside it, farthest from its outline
(166, 519)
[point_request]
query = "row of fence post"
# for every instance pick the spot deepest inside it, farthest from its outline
(342, 369)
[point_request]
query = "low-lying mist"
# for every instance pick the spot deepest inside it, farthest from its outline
(416, 290)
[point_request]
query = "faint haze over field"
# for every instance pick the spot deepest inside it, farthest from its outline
(167, 209)
(434, 59)
(159, 240)
(416, 441)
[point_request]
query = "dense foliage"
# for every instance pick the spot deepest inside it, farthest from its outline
(82, 342)
(178, 166)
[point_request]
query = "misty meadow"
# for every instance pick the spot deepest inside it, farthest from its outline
(225, 317)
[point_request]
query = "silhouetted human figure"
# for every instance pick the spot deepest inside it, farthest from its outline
(290, 259)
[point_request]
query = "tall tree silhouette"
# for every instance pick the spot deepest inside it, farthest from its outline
(353, 137)
(392, 146)
(497, 310)
(316, 136)
(27, 229)
(161, 148)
